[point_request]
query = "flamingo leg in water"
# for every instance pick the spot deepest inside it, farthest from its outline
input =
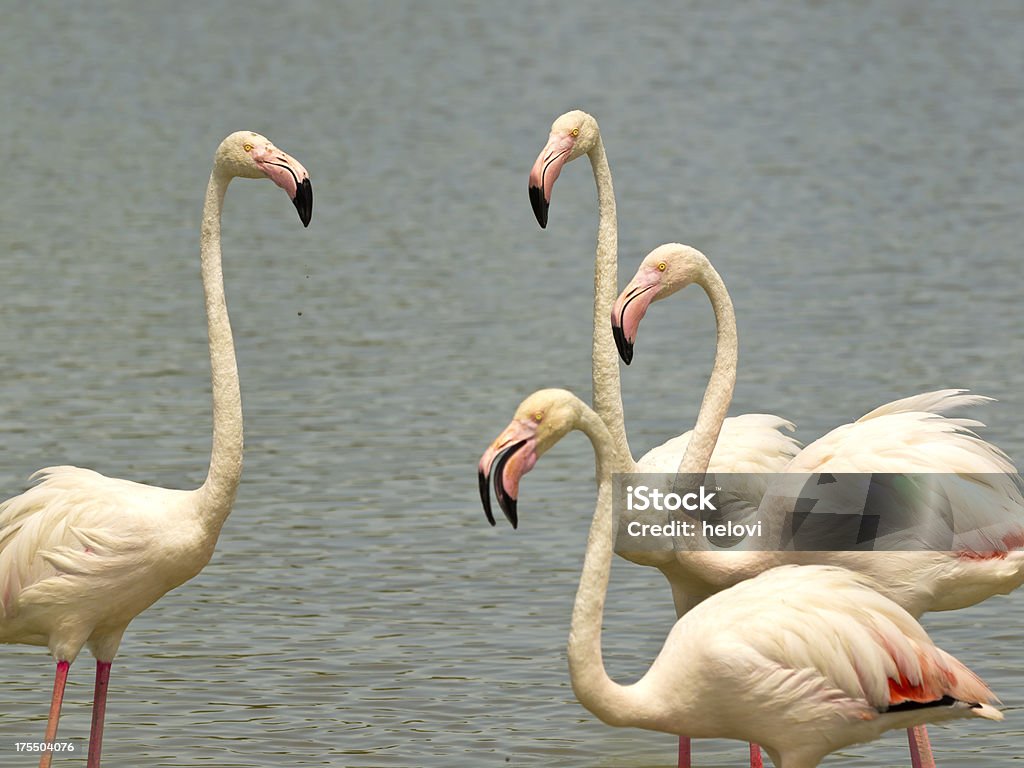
(684, 752)
(920, 748)
(99, 709)
(756, 760)
(755, 757)
(59, 680)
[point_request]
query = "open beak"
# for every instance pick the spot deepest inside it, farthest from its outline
(627, 312)
(507, 459)
(290, 175)
(544, 172)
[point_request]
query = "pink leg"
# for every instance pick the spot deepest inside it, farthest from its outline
(684, 752)
(59, 680)
(755, 757)
(920, 748)
(99, 709)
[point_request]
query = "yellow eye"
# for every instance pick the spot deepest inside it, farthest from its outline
(247, 147)
(538, 416)
(575, 131)
(662, 266)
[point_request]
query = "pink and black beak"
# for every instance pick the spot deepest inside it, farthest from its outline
(545, 170)
(628, 311)
(508, 458)
(290, 175)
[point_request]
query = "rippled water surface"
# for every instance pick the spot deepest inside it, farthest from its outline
(852, 169)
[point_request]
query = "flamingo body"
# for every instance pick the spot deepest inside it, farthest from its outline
(805, 660)
(82, 554)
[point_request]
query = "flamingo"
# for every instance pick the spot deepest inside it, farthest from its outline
(752, 443)
(803, 659)
(914, 434)
(82, 554)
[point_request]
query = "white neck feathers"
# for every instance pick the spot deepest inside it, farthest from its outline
(218, 491)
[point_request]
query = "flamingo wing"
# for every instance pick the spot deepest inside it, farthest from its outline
(964, 490)
(821, 635)
(74, 523)
(939, 401)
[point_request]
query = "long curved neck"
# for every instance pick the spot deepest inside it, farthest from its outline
(606, 383)
(613, 703)
(718, 394)
(218, 491)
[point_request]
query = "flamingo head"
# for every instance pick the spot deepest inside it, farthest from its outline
(251, 156)
(541, 420)
(573, 134)
(665, 270)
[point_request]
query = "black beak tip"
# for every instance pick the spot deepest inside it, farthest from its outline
(303, 202)
(511, 512)
(622, 344)
(485, 497)
(508, 505)
(540, 206)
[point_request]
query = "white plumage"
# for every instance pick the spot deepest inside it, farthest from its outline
(748, 443)
(82, 554)
(916, 434)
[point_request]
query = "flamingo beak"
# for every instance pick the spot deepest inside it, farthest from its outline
(290, 175)
(627, 312)
(508, 458)
(544, 172)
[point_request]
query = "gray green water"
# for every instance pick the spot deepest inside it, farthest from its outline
(852, 169)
